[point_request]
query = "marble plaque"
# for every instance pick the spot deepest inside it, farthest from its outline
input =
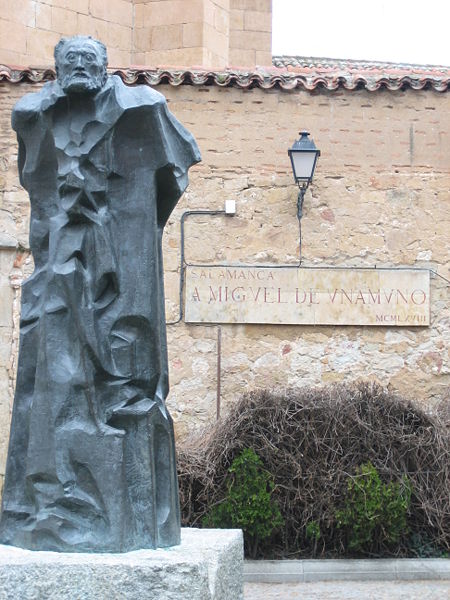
(291, 295)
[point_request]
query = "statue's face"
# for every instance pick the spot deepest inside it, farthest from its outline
(80, 68)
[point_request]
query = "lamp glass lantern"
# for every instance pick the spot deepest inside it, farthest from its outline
(303, 155)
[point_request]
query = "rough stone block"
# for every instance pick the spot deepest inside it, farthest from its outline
(12, 58)
(242, 58)
(119, 37)
(64, 21)
(177, 57)
(40, 45)
(167, 37)
(139, 10)
(172, 12)
(237, 19)
(213, 61)
(12, 36)
(258, 5)
(225, 4)
(79, 6)
(257, 21)
(97, 28)
(254, 40)
(263, 59)
(137, 58)
(192, 35)
(221, 19)
(207, 565)
(117, 11)
(24, 11)
(142, 40)
(43, 16)
(6, 300)
(118, 58)
(215, 42)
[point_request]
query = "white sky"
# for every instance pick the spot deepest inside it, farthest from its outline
(397, 30)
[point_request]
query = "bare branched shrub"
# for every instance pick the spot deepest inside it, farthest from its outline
(311, 441)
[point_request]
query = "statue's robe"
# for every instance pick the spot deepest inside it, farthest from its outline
(91, 463)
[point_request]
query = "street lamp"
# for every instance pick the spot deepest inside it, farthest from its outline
(303, 155)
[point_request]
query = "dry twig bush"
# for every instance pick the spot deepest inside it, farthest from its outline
(311, 441)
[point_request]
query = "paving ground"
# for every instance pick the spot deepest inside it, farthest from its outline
(349, 590)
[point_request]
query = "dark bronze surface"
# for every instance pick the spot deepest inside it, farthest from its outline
(91, 462)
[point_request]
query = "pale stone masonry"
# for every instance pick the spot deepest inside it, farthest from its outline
(204, 33)
(380, 196)
(29, 29)
(180, 32)
(250, 32)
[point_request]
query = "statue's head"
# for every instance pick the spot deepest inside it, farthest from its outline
(80, 63)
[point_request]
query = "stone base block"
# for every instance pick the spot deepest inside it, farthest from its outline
(207, 565)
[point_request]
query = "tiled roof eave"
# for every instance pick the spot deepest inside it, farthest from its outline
(286, 78)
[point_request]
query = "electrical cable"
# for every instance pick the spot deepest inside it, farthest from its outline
(183, 263)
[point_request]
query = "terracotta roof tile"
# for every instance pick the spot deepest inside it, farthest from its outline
(287, 72)
(371, 75)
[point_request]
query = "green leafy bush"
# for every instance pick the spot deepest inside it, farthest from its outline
(375, 514)
(313, 534)
(313, 530)
(421, 546)
(310, 439)
(248, 505)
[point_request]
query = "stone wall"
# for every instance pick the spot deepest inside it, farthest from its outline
(250, 32)
(380, 197)
(182, 32)
(207, 33)
(29, 29)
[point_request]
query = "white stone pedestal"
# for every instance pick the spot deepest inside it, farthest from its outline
(207, 565)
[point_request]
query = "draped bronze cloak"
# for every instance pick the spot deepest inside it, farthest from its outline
(91, 461)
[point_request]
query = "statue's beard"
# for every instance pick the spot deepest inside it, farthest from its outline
(76, 83)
